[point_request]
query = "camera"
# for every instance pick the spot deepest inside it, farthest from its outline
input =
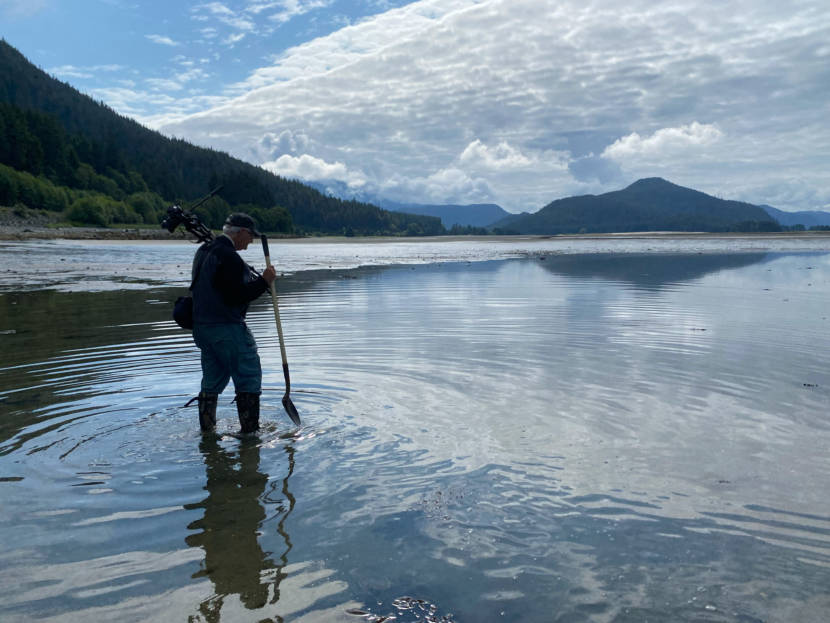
(176, 216)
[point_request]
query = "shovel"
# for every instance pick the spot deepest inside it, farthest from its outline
(286, 399)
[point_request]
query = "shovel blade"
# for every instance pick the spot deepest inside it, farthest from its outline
(291, 410)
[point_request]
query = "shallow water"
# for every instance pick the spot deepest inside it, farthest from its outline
(602, 437)
(99, 265)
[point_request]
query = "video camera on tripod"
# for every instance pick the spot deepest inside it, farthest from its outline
(177, 216)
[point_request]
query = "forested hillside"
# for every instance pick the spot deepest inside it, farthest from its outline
(650, 204)
(61, 151)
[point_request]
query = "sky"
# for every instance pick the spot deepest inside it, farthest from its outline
(514, 102)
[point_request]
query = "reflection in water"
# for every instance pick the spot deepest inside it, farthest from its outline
(233, 519)
(606, 438)
(649, 271)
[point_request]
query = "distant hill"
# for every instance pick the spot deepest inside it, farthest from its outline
(475, 215)
(651, 204)
(62, 151)
(808, 218)
(470, 215)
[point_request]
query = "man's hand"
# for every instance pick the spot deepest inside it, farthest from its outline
(269, 274)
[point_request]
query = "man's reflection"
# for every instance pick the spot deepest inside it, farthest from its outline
(233, 516)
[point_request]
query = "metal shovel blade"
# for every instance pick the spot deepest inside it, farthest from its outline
(290, 409)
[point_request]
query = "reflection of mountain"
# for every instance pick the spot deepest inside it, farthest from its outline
(233, 517)
(648, 271)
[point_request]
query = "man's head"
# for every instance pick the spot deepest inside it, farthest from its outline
(240, 228)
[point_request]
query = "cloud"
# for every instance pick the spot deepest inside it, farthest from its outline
(178, 80)
(257, 18)
(286, 10)
(273, 145)
(71, 71)
(590, 169)
(309, 168)
(664, 141)
(526, 101)
(233, 39)
(449, 185)
(22, 8)
(239, 21)
(500, 157)
(162, 40)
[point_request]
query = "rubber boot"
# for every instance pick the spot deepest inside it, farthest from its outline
(207, 411)
(247, 405)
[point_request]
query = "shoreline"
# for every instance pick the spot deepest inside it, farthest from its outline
(34, 232)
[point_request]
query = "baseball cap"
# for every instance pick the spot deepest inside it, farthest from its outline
(240, 219)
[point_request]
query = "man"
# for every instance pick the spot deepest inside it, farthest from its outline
(223, 286)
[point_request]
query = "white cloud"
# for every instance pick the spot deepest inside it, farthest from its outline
(273, 145)
(258, 18)
(500, 157)
(354, 42)
(237, 20)
(665, 141)
(233, 39)
(214, 8)
(529, 100)
(177, 81)
(162, 40)
(71, 71)
(286, 10)
(309, 168)
(450, 185)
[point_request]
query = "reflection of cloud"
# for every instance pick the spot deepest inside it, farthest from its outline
(56, 579)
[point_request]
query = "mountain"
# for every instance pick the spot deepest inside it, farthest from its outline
(471, 215)
(63, 151)
(474, 215)
(651, 204)
(808, 218)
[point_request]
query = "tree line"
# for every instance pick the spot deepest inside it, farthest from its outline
(64, 152)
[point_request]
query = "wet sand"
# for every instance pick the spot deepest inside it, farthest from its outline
(38, 232)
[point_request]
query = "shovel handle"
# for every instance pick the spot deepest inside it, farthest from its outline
(273, 289)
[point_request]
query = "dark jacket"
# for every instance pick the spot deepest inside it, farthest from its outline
(223, 285)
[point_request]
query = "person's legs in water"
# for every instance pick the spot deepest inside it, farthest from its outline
(229, 351)
(214, 344)
(247, 381)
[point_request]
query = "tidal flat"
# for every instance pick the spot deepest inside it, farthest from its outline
(531, 430)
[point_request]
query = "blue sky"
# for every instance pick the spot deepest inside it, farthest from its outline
(131, 53)
(515, 102)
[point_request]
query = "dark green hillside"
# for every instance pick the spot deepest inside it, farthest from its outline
(651, 204)
(60, 147)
